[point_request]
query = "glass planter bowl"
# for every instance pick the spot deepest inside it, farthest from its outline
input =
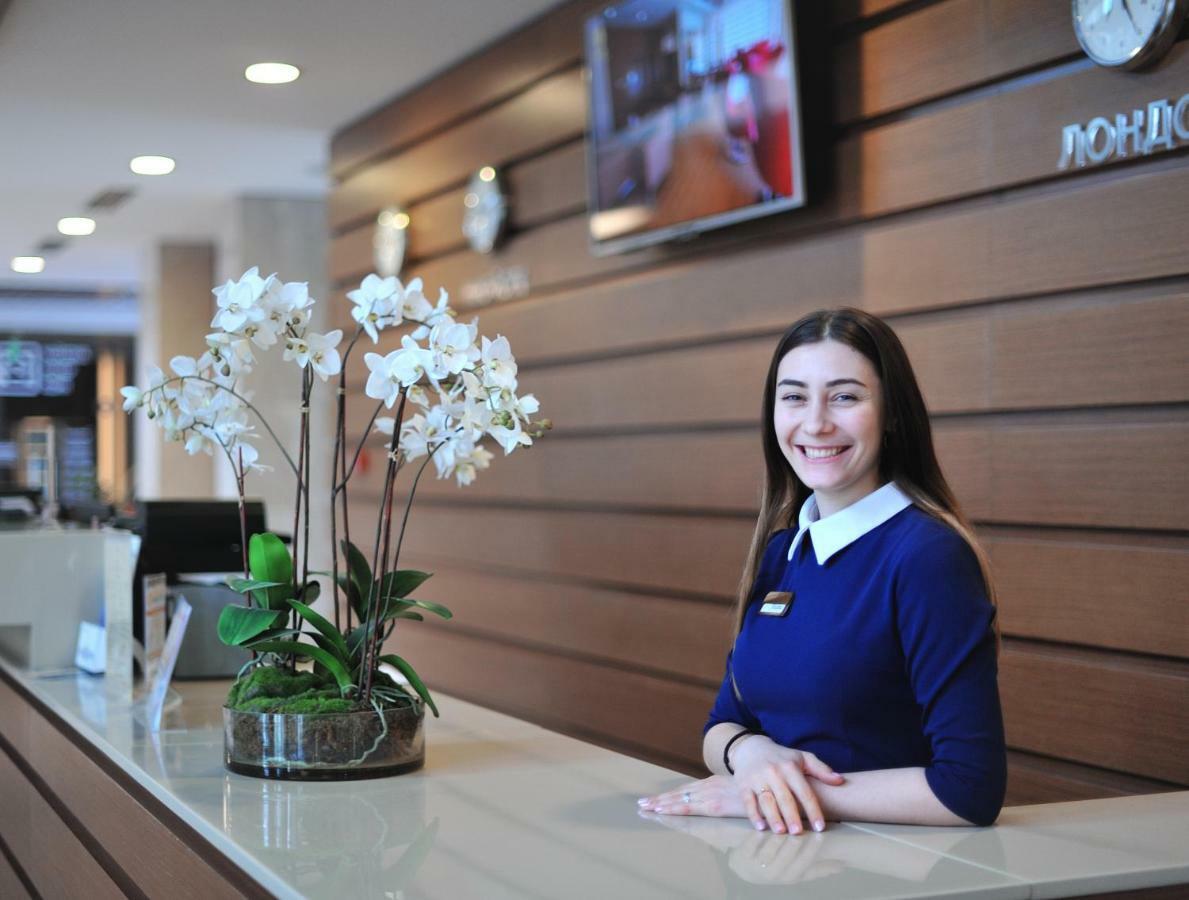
(324, 746)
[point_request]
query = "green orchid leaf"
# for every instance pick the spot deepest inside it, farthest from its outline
(327, 630)
(247, 585)
(238, 624)
(269, 560)
(311, 592)
(414, 679)
(395, 606)
(361, 578)
(415, 616)
(403, 582)
(296, 648)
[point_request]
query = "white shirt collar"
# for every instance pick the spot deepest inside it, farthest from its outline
(847, 525)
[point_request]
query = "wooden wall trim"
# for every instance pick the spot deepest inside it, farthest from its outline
(1040, 779)
(542, 115)
(159, 853)
(1081, 705)
(962, 150)
(1032, 473)
(982, 251)
(491, 76)
(14, 881)
(944, 48)
(56, 861)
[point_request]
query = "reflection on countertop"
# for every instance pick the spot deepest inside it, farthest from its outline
(506, 809)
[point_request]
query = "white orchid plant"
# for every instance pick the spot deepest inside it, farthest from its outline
(460, 390)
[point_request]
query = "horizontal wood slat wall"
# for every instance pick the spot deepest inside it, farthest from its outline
(1046, 313)
(129, 845)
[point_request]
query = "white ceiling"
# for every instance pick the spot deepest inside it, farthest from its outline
(85, 85)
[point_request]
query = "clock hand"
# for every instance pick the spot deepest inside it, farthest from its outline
(1127, 9)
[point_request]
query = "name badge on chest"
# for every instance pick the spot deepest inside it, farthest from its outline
(777, 603)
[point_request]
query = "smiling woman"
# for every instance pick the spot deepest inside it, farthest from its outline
(865, 637)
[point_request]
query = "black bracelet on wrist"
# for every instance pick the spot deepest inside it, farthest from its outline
(726, 760)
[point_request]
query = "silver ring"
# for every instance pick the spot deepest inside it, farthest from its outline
(685, 798)
(766, 790)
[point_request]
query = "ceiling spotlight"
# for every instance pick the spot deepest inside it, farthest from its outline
(76, 226)
(28, 265)
(151, 165)
(271, 73)
(487, 173)
(401, 221)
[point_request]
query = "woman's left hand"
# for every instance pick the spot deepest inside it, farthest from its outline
(718, 795)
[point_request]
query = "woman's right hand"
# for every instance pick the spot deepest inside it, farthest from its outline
(774, 784)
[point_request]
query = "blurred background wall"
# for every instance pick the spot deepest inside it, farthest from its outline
(1045, 312)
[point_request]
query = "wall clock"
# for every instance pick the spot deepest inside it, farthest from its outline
(1127, 34)
(486, 210)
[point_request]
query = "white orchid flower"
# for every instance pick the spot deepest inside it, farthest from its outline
(133, 397)
(248, 454)
(441, 314)
(453, 348)
(374, 288)
(382, 384)
(468, 463)
(324, 355)
(317, 350)
(237, 307)
(184, 366)
(413, 303)
(199, 441)
(499, 366)
(509, 436)
(385, 425)
(375, 314)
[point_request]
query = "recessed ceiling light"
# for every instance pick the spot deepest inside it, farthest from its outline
(151, 165)
(271, 73)
(487, 173)
(76, 226)
(28, 265)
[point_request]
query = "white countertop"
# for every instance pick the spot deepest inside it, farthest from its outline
(506, 809)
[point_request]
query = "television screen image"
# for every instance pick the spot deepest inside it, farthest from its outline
(693, 118)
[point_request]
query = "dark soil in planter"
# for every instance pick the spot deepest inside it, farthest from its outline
(280, 724)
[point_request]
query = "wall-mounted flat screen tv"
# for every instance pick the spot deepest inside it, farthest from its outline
(694, 118)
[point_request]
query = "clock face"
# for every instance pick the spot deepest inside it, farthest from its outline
(1126, 33)
(486, 210)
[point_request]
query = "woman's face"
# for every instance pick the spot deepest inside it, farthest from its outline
(828, 420)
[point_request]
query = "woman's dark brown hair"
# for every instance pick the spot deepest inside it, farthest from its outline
(907, 456)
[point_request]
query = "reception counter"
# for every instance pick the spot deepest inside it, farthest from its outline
(93, 804)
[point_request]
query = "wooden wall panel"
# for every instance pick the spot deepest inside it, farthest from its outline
(1016, 357)
(1038, 779)
(882, 267)
(580, 697)
(669, 555)
(944, 48)
(11, 885)
(1036, 473)
(1118, 592)
(1045, 312)
(575, 618)
(160, 859)
(542, 189)
(552, 42)
(29, 826)
(548, 113)
(1131, 715)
